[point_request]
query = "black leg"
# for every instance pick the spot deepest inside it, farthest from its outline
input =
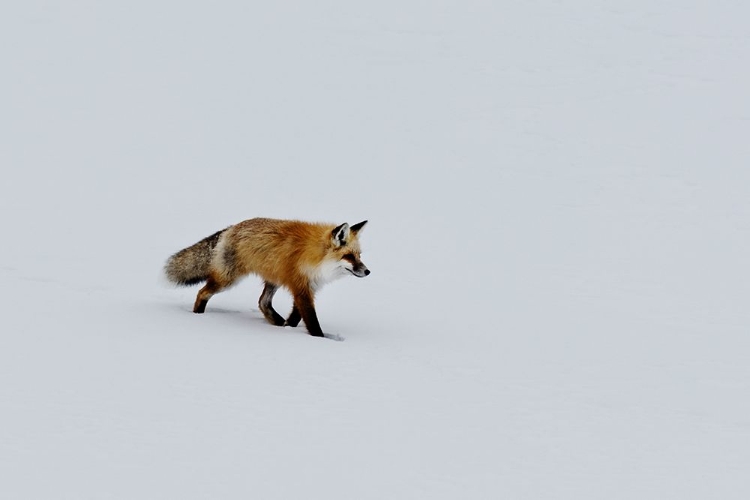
(294, 318)
(304, 303)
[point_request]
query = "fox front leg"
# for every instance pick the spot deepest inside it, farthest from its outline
(303, 302)
(294, 318)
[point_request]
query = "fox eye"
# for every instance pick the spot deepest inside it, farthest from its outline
(350, 257)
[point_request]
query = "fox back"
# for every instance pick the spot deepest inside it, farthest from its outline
(290, 253)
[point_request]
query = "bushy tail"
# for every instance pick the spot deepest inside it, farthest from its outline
(192, 264)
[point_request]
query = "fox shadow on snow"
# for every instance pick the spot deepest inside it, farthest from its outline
(252, 320)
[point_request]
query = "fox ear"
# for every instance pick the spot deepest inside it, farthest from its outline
(340, 234)
(358, 227)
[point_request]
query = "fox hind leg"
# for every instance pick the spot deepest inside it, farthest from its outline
(212, 287)
(266, 306)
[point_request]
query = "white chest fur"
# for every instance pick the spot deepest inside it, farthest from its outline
(327, 271)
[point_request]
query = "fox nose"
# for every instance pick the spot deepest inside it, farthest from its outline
(367, 272)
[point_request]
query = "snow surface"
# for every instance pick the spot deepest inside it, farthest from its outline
(559, 205)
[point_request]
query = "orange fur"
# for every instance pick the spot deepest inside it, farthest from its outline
(300, 256)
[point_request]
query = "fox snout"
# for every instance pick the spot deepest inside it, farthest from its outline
(360, 271)
(354, 265)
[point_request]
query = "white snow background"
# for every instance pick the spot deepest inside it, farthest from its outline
(559, 206)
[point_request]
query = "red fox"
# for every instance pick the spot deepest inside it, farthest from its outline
(300, 256)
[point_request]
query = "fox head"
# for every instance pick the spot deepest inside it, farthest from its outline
(346, 251)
